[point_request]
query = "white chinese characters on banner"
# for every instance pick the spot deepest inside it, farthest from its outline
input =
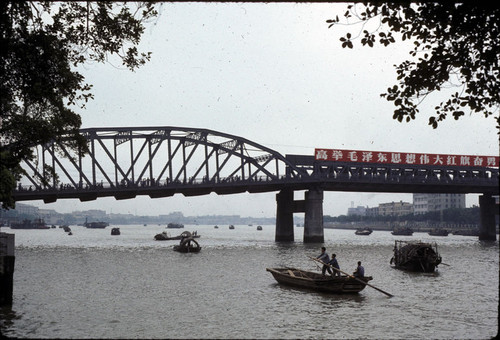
(405, 158)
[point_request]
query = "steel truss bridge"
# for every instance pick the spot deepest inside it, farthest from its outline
(125, 162)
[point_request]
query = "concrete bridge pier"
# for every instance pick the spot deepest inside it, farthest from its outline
(312, 206)
(313, 221)
(487, 207)
(284, 216)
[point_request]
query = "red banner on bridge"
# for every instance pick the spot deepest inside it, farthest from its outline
(405, 158)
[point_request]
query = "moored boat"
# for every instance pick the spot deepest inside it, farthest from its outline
(317, 281)
(416, 256)
(438, 232)
(363, 231)
(37, 223)
(403, 231)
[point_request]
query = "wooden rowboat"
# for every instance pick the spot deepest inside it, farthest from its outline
(317, 281)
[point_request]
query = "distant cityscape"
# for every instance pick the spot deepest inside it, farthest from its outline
(422, 203)
(50, 216)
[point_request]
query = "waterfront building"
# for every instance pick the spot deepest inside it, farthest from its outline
(423, 203)
(25, 209)
(372, 211)
(395, 208)
(359, 210)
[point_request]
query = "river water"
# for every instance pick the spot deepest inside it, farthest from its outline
(94, 285)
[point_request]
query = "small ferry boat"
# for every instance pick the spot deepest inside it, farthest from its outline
(363, 231)
(415, 256)
(231, 226)
(317, 281)
(37, 223)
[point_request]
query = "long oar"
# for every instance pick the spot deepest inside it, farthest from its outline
(355, 278)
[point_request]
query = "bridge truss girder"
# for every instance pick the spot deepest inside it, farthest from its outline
(157, 161)
(163, 161)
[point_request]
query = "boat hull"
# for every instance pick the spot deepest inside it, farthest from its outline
(417, 266)
(191, 249)
(315, 281)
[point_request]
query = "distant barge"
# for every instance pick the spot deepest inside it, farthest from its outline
(175, 225)
(95, 225)
(38, 223)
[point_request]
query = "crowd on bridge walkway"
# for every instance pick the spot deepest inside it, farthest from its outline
(145, 182)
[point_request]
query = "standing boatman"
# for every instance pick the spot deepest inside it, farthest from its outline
(323, 257)
(333, 262)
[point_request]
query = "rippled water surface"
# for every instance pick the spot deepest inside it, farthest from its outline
(94, 285)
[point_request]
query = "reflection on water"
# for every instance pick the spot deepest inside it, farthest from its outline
(8, 316)
(94, 285)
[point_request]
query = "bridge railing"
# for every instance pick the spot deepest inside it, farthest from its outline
(150, 183)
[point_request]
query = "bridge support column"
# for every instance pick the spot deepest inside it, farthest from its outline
(7, 260)
(284, 216)
(487, 230)
(313, 221)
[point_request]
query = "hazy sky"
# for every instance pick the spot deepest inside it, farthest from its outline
(276, 75)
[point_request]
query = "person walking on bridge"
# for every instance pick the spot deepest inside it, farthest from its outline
(323, 257)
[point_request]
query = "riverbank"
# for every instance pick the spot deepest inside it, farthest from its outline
(415, 226)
